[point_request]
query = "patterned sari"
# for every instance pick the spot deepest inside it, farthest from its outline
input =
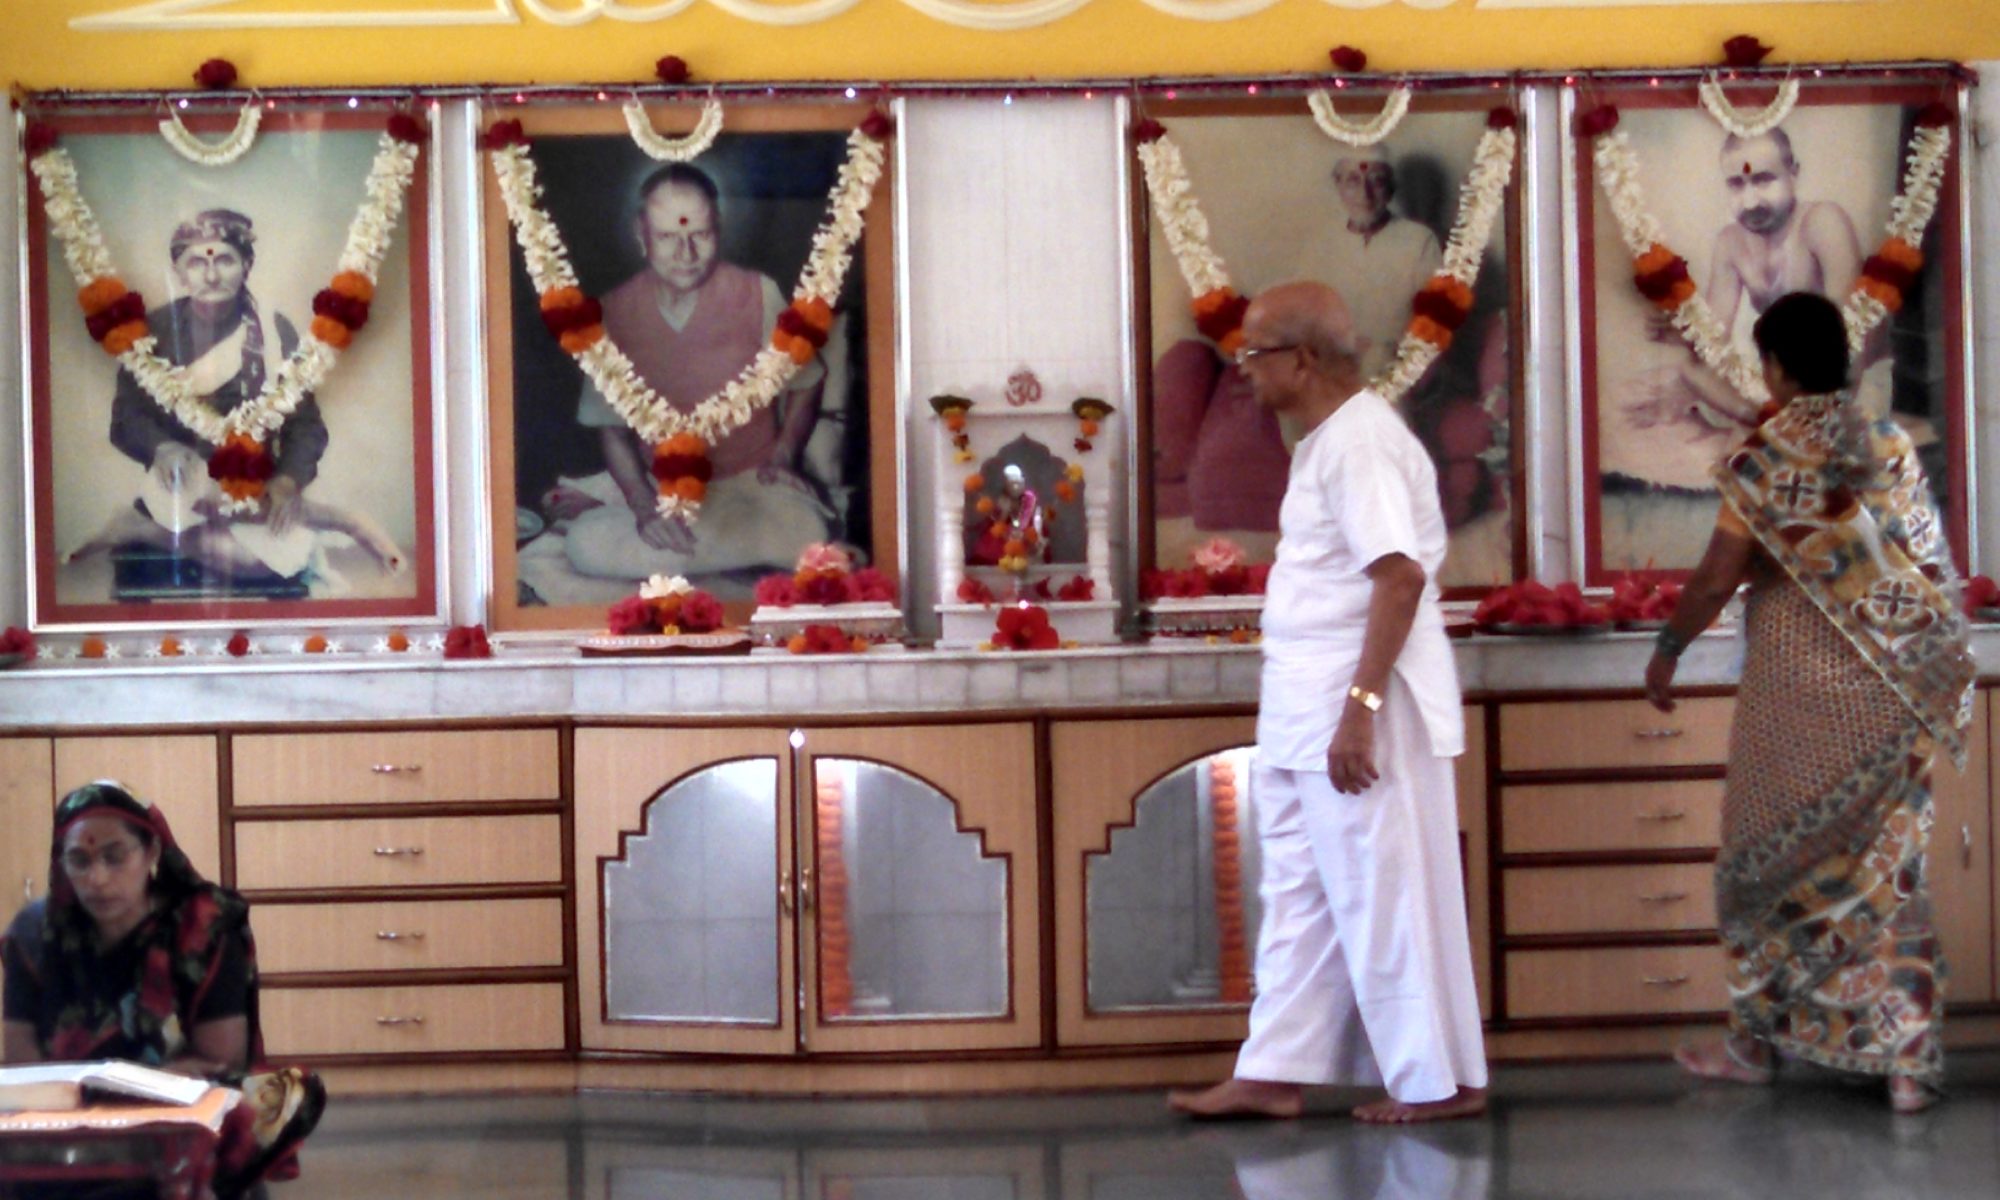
(179, 952)
(1856, 671)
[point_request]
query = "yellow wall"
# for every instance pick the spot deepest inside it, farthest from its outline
(887, 39)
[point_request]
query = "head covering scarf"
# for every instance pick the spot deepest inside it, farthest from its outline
(180, 945)
(1844, 508)
(236, 231)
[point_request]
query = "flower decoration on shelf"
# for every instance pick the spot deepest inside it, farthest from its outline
(666, 604)
(1348, 59)
(170, 647)
(1744, 50)
(826, 639)
(1981, 600)
(1643, 598)
(1090, 413)
(974, 591)
(397, 642)
(1662, 276)
(1079, 588)
(467, 641)
(217, 74)
(825, 575)
(951, 410)
(93, 647)
(115, 315)
(1025, 627)
(17, 643)
(1219, 567)
(682, 468)
(1530, 604)
(314, 644)
(237, 646)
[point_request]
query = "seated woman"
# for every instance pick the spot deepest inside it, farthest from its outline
(133, 955)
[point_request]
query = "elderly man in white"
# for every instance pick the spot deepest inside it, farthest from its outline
(1364, 965)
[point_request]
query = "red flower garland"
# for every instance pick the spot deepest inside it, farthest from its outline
(242, 466)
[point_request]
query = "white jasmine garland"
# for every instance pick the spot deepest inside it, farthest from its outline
(680, 149)
(1756, 124)
(1180, 216)
(648, 413)
(305, 370)
(1361, 133)
(233, 146)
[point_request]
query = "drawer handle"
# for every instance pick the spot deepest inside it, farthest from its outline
(806, 889)
(27, 887)
(390, 935)
(399, 1020)
(785, 893)
(1965, 843)
(1664, 981)
(1653, 735)
(1662, 897)
(399, 852)
(1671, 814)
(395, 769)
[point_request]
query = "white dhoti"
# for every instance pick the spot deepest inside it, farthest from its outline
(1364, 962)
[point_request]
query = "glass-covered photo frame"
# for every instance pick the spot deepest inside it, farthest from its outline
(693, 265)
(1752, 215)
(1285, 201)
(141, 511)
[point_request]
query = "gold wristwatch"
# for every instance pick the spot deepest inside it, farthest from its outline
(1372, 701)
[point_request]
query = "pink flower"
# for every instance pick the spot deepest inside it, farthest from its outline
(700, 612)
(1219, 555)
(777, 591)
(872, 586)
(633, 614)
(825, 558)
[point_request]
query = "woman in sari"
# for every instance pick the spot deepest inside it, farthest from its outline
(133, 955)
(1856, 671)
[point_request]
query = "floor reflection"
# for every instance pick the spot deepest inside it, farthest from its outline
(1599, 1131)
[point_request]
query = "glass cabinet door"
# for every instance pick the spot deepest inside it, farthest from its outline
(920, 905)
(685, 890)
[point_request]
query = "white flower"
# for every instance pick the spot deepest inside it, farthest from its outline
(659, 587)
(1358, 133)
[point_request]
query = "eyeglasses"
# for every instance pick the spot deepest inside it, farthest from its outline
(1250, 354)
(113, 856)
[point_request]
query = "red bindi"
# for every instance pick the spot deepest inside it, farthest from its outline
(684, 220)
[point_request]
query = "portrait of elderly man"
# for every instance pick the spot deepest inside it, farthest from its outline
(690, 321)
(1377, 257)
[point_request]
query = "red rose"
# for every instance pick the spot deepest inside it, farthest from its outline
(238, 461)
(467, 641)
(700, 612)
(129, 307)
(1025, 628)
(1187, 585)
(405, 127)
(823, 639)
(823, 589)
(1080, 588)
(672, 70)
(40, 138)
(1743, 50)
(972, 591)
(216, 73)
(1347, 58)
(344, 309)
(238, 646)
(1233, 581)
(776, 591)
(504, 134)
(17, 640)
(872, 586)
(678, 466)
(1224, 319)
(1147, 130)
(1502, 118)
(567, 317)
(633, 614)
(1935, 115)
(878, 125)
(1598, 121)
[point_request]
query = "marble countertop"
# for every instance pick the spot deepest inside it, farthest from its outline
(552, 681)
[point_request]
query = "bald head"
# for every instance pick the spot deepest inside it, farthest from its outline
(1306, 314)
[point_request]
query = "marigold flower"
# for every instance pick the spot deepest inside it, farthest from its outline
(332, 332)
(353, 285)
(121, 339)
(100, 294)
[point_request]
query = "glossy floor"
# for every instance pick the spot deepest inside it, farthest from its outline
(1595, 1131)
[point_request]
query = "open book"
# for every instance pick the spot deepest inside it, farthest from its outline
(52, 1087)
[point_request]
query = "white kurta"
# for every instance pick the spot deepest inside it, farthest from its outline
(1364, 963)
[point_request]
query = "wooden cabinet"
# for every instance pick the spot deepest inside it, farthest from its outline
(396, 767)
(26, 797)
(1960, 870)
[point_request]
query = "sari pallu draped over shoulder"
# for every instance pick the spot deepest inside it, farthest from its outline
(1844, 508)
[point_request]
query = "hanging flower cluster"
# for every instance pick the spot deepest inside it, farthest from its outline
(1662, 276)
(115, 315)
(951, 410)
(681, 440)
(1090, 413)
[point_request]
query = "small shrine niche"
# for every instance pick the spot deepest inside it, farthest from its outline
(1023, 513)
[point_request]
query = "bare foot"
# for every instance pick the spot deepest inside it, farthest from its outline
(1239, 1098)
(1469, 1102)
(1727, 1061)
(1908, 1096)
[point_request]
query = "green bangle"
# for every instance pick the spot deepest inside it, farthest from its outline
(1669, 644)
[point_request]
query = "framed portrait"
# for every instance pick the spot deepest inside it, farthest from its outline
(1284, 201)
(1799, 208)
(127, 524)
(693, 263)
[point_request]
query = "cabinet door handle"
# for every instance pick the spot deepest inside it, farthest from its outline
(806, 889)
(390, 935)
(27, 887)
(785, 903)
(1671, 814)
(397, 769)
(399, 852)
(1664, 981)
(1662, 897)
(1653, 735)
(1965, 845)
(399, 1021)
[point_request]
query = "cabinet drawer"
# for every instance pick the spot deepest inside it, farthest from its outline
(1627, 981)
(385, 768)
(426, 935)
(413, 1020)
(1586, 734)
(1574, 817)
(398, 852)
(1678, 896)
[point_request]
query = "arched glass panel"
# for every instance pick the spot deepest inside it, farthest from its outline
(691, 906)
(1171, 913)
(912, 913)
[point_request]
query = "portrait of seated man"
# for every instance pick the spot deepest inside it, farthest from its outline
(176, 540)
